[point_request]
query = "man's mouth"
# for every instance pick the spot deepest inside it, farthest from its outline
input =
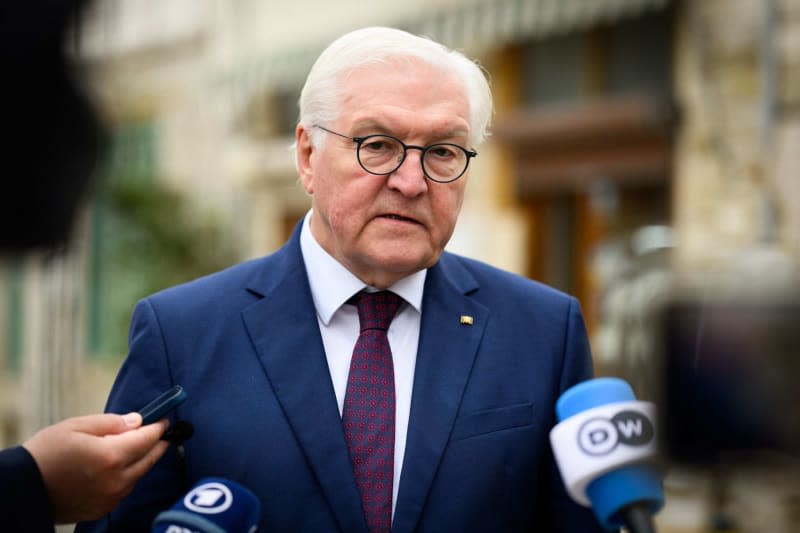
(401, 218)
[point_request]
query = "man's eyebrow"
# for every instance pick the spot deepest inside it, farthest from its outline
(455, 132)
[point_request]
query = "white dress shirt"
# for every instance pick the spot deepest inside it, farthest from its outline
(331, 286)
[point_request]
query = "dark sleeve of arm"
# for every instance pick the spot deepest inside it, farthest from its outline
(144, 374)
(566, 515)
(24, 504)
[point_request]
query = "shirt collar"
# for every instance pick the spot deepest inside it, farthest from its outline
(332, 284)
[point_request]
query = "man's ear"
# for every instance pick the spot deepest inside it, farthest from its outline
(304, 152)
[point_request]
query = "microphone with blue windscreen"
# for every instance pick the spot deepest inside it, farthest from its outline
(605, 447)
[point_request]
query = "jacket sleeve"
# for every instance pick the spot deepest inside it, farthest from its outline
(24, 504)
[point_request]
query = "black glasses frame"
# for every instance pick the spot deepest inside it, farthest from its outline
(424, 149)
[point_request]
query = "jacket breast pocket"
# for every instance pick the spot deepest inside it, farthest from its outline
(492, 420)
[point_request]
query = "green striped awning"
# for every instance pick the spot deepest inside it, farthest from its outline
(470, 25)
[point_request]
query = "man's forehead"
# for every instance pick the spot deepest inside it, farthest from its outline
(450, 128)
(395, 62)
(396, 71)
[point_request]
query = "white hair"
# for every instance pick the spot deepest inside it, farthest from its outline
(321, 95)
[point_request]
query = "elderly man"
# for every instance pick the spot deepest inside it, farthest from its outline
(361, 378)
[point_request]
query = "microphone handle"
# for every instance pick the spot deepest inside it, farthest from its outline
(637, 518)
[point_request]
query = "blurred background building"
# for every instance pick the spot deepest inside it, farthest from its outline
(640, 149)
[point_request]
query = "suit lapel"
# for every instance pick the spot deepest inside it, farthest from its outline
(284, 330)
(446, 352)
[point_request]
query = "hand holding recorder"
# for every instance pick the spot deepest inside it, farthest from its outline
(90, 463)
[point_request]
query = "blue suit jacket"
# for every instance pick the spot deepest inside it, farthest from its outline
(246, 346)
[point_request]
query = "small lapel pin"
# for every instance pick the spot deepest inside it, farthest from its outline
(466, 320)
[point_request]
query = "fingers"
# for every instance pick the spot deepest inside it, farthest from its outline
(105, 424)
(145, 463)
(135, 444)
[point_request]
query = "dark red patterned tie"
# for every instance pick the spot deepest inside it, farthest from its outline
(368, 413)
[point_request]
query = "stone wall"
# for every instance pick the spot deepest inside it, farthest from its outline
(736, 82)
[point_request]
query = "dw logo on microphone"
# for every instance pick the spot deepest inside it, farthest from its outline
(599, 436)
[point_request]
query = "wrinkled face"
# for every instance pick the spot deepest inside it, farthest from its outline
(383, 228)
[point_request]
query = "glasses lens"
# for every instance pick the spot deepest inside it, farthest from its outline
(380, 154)
(444, 162)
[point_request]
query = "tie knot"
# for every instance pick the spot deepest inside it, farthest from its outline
(376, 309)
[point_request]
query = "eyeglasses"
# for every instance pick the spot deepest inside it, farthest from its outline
(383, 154)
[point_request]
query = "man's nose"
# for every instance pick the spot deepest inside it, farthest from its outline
(409, 178)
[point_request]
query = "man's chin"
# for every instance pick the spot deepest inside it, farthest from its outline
(394, 266)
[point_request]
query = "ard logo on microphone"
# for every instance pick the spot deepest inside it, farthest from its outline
(209, 498)
(600, 436)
